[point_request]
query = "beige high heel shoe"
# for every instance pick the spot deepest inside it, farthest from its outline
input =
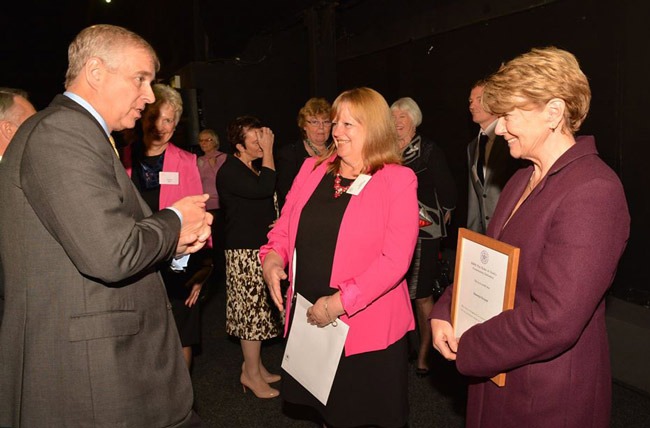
(260, 391)
(268, 378)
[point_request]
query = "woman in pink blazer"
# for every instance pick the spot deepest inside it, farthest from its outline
(553, 344)
(164, 173)
(351, 217)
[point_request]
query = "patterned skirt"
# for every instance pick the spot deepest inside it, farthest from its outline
(250, 313)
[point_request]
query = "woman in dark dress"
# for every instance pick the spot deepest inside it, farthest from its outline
(315, 127)
(352, 219)
(436, 198)
(246, 195)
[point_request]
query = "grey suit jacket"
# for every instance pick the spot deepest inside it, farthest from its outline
(88, 337)
(482, 198)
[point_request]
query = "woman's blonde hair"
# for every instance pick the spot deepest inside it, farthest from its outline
(212, 133)
(371, 110)
(539, 76)
(313, 107)
(165, 94)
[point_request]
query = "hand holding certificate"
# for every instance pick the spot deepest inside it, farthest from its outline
(485, 281)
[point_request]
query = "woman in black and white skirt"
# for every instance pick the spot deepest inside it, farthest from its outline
(247, 196)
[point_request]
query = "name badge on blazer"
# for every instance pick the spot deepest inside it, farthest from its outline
(357, 185)
(168, 178)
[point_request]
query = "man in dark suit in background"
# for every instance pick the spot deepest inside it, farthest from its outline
(88, 337)
(14, 109)
(490, 165)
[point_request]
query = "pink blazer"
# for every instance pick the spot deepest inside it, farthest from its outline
(189, 179)
(373, 252)
(176, 160)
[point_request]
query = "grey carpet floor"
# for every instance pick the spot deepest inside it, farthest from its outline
(437, 401)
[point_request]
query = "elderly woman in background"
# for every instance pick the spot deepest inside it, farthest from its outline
(164, 173)
(436, 200)
(209, 164)
(351, 218)
(559, 211)
(246, 194)
(315, 126)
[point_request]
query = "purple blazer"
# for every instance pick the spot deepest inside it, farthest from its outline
(373, 251)
(572, 231)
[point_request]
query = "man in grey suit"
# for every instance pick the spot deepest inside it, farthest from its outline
(88, 338)
(489, 162)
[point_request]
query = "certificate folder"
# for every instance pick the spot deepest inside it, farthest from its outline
(485, 282)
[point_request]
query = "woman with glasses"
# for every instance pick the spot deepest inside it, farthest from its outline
(209, 165)
(315, 127)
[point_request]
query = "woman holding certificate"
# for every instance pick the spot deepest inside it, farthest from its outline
(553, 344)
(351, 221)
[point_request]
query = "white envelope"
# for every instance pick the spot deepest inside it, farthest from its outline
(312, 353)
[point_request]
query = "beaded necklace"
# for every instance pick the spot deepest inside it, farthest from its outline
(338, 189)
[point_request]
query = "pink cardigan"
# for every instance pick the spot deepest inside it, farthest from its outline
(373, 252)
(176, 160)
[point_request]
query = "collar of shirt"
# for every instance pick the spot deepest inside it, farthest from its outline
(85, 104)
(489, 131)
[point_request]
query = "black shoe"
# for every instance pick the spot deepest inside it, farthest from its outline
(421, 373)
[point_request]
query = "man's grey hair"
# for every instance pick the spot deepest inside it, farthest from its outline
(102, 41)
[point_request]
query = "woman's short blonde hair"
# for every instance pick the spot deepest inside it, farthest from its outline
(370, 109)
(167, 95)
(212, 133)
(313, 107)
(539, 76)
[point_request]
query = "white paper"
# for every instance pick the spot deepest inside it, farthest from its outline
(483, 278)
(312, 353)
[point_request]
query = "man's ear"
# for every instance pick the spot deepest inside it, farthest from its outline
(7, 129)
(94, 71)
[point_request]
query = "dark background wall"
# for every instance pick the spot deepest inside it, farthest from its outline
(434, 52)
(438, 70)
(267, 58)
(269, 80)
